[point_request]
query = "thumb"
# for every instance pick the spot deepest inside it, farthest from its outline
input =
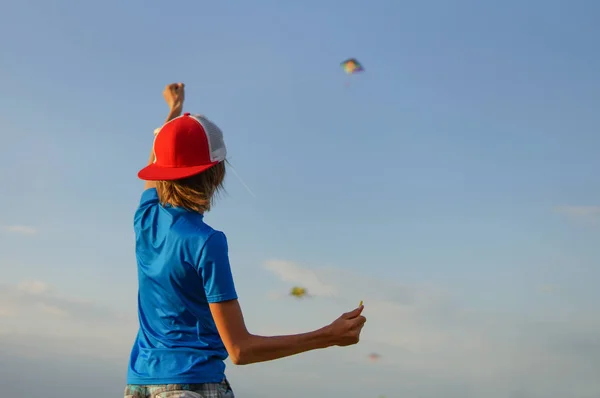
(353, 313)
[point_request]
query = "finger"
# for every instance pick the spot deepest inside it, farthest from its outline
(351, 314)
(357, 322)
(354, 313)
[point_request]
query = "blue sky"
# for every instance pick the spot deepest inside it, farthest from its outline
(452, 186)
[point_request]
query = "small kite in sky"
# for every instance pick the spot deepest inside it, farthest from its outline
(351, 66)
(298, 292)
(374, 356)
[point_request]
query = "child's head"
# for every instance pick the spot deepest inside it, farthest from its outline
(194, 193)
(189, 164)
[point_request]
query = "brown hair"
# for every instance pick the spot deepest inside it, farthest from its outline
(194, 193)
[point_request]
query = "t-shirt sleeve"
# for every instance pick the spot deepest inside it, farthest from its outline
(215, 270)
(148, 199)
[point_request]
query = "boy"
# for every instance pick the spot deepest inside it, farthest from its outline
(190, 319)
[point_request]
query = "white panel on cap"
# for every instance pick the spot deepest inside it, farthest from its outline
(214, 135)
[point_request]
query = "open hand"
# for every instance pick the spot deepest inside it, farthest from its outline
(174, 95)
(346, 329)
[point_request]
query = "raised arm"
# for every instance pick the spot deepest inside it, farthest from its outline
(174, 95)
(245, 348)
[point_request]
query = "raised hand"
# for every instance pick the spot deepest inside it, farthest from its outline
(174, 95)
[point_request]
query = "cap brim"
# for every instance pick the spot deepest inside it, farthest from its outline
(153, 172)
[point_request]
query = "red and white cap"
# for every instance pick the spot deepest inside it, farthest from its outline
(185, 146)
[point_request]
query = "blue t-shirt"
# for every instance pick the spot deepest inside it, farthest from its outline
(183, 264)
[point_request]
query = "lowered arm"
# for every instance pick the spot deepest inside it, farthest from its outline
(245, 348)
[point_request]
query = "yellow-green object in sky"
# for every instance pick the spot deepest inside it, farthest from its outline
(298, 292)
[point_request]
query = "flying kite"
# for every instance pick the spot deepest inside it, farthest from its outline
(351, 66)
(374, 356)
(298, 292)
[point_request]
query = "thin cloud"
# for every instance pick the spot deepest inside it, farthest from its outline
(6, 311)
(52, 310)
(583, 212)
(34, 307)
(292, 273)
(33, 287)
(20, 229)
(34, 295)
(344, 285)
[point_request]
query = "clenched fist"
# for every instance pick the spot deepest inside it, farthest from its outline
(174, 95)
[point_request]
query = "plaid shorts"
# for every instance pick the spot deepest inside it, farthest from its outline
(205, 390)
